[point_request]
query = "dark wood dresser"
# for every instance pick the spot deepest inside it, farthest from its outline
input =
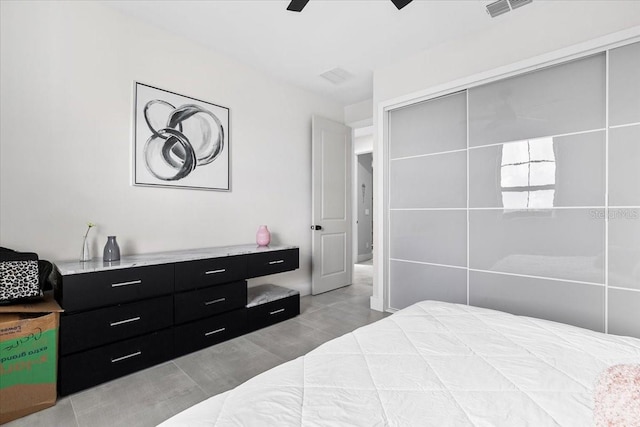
(128, 315)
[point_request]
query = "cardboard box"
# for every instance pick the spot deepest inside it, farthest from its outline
(28, 357)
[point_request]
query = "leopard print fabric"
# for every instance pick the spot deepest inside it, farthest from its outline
(18, 279)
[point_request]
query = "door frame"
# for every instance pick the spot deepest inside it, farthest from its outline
(354, 187)
(381, 272)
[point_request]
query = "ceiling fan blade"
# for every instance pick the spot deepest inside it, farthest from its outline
(297, 5)
(401, 3)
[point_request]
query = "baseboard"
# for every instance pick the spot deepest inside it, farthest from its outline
(376, 304)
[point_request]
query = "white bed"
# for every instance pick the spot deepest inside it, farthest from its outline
(431, 364)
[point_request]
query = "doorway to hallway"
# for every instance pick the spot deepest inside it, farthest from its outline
(363, 219)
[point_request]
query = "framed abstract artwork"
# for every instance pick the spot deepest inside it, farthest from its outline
(179, 141)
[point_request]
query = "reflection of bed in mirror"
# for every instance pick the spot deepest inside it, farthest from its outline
(431, 364)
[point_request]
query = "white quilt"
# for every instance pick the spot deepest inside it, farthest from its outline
(431, 364)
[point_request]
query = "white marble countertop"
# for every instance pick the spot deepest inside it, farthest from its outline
(263, 294)
(96, 264)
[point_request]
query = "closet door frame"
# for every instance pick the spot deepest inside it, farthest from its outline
(380, 298)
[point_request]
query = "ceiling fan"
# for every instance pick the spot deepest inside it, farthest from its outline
(298, 5)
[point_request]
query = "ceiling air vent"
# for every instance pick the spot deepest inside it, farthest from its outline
(336, 75)
(503, 6)
(498, 8)
(518, 3)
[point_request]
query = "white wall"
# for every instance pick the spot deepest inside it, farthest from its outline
(538, 28)
(67, 71)
(359, 114)
(531, 32)
(363, 144)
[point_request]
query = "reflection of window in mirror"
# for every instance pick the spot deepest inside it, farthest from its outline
(528, 174)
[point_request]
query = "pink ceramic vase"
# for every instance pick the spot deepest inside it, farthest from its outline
(263, 237)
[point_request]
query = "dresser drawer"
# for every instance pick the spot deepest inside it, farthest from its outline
(207, 272)
(269, 313)
(206, 302)
(86, 369)
(106, 325)
(100, 289)
(262, 264)
(212, 330)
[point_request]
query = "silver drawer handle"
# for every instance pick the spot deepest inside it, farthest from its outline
(215, 301)
(133, 282)
(122, 322)
(128, 356)
(280, 261)
(222, 270)
(214, 332)
(277, 311)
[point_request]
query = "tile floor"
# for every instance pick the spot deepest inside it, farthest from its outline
(148, 397)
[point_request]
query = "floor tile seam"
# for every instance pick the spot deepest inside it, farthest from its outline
(323, 308)
(346, 310)
(291, 321)
(312, 325)
(189, 376)
(293, 346)
(166, 400)
(271, 353)
(76, 407)
(352, 302)
(73, 410)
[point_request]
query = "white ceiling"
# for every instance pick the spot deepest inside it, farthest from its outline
(358, 36)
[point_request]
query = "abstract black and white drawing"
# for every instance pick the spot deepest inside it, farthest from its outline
(179, 141)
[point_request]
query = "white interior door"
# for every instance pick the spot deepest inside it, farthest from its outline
(332, 256)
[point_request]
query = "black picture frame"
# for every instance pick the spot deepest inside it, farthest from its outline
(179, 141)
